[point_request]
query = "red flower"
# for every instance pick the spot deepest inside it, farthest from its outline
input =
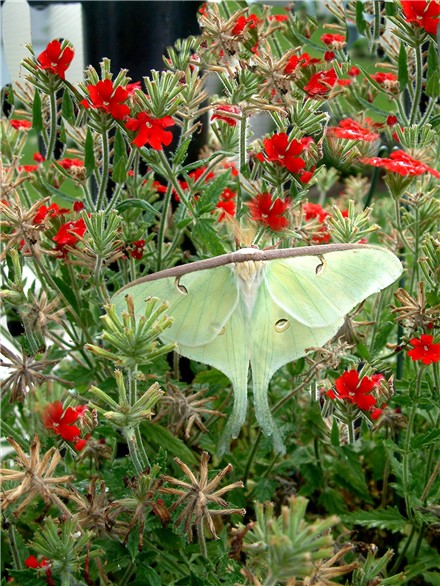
(67, 163)
(69, 233)
(392, 120)
(422, 13)
(334, 41)
(354, 71)
(38, 158)
(32, 562)
(279, 150)
(137, 249)
(381, 77)
(301, 61)
(242, 22)
(401, 163)
(388, 81)
(349, 388)
(278, 17)
(52, 211)
(81, 443)
(228, 209)
(132, 87)
(27, 168)
(61, 421)
(269, 212)
(54, 59)
(151, 130)
(20, 124)
(227, 108)
(376, 413)
(424, 349)
(78, 206)
(227, 204)
(321, 83)
(314, 210)
(352, 130)
(329, 56)
(104, 97)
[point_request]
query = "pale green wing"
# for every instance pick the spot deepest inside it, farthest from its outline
(318, 290)
(208, 326)
(277, 339)
(200, 303)
(229, 352)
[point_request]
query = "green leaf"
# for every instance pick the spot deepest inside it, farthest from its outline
(119, 174)
(128, 204)
(389, 519)
(37, 116)
(382, 336)
(334, 436)
(390, 9)
(349, 474)
(66, 290)
(119, 146)
(211, 194)
(425, 439)
(67, 109)
(205, 232)
(89, 155)
(433, 85)
(333, 501)
(402, 72)
(161, 437)
(180, 154)
(361, 23)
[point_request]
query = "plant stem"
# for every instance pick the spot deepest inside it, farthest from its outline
(104, 171)
(415, 108)
(53, 125)
(407, 449)
(201, 536)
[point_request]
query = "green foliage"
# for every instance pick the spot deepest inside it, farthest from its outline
(127, 211)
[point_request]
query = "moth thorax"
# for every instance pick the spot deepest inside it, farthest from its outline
(249, 274)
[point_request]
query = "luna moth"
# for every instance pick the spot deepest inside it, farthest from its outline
(262, 309)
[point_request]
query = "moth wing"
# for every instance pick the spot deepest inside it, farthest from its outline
(277, 339)
(200, 303)
(319, 290)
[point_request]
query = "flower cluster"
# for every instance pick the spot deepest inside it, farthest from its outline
(401, 163)
(358, 391)
(424, 349)
(61, 421)
(286, 153)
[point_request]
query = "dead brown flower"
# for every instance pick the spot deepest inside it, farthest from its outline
(36, 479)
(27, 373)
(143, 499)
(196, 496)
(324, 571)
(414, 312)
(92, 509)
(184, 409)
(18, 226)
(39, 312)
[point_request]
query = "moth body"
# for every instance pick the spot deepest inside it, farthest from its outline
(250, 274)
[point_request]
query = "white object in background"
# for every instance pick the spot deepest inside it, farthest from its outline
(66, 22)
(16, 30)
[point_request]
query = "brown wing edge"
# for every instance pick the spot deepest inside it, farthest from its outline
(241, 256)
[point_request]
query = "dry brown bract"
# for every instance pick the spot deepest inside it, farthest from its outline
(196, 496)
(36, 479)
(18, 228)
(27, 373)
(185, 409)
(414, 311)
